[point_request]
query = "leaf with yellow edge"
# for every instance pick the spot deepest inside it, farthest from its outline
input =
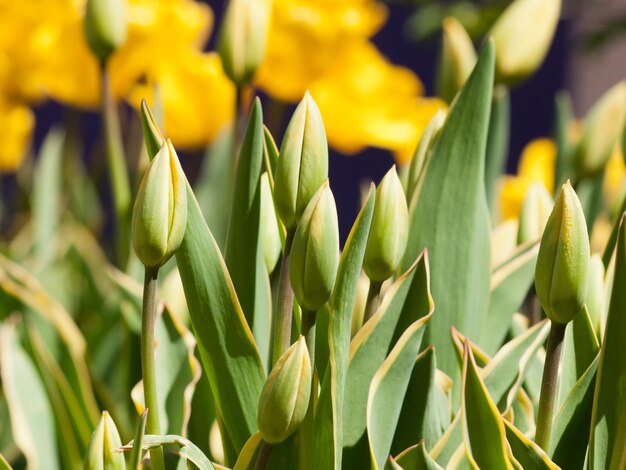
(416, 458)
(529, 455)
(483, 427)
(248, 452)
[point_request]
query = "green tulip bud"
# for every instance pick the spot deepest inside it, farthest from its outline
(534, 214)
(315, 251)
(457, 61)
(389, 230)
(105, 26)
(242, 38)
(562, 270)
(523, 34)
(270, 235)
(595, 293)
(285, 395)
(101, 452)
(429, 138)
(160, 212)
(601, 131)
(302, 166)
(151, 133)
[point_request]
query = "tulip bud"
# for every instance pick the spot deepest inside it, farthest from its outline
(534, 214)
(270, 236)
(601, 131)
(595, 293)
(160, 212)
(105, 26)
(151, 133)
(105, 440)
(457, 61)
(315, 251)
(389, 230)
(562, 270)
(285, 396)
(302, 166)
(243, 37)
(523, 34)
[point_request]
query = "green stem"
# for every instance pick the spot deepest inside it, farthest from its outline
(373, 302)
(548, 386)
(148, 320)
(120, 185)
(284, 310)
(307, 429)
(264, 456)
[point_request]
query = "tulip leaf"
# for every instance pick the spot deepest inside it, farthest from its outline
(248, 452)
(32, 418)
(424, 414)
(526, 452)
(610, 392)
(4, 465)
(457, 231)
(510, 283)
(388, 388)
(136, 453)
(244, 252)
(580, 348)
(185, 448)
(416, 458)
(497, 141)
(483, 428)
(270, 155)
(229, 354)
(177, 372)
(570, 431)
(330, 409)
(405, 302)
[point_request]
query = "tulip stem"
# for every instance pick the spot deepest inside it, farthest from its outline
(548, 386)
(284, 310)
(120, 186)
(373, 301)
(307, 429)
(148, 321)
(264, 456)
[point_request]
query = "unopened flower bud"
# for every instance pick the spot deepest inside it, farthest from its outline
(285, 396)
(523, 34)
(270, 236)
(315, 251)
(389, 230)
(105, 26)
(101, 452)
(151, 133)
(562, 270)
(243, 37)
(534, 214)
(160, 212)
(602, 131)
(457, 61)
(302, 166)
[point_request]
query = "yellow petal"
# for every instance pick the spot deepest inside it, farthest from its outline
(16, 122)
(537, 162)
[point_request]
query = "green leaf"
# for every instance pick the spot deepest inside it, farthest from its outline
(610, 393)
(330, 409)
(416, 458)
(185, 448)
(510, 283)
(47, 190)
(270, 155)
(4, 465)
(177, 372)
(229, 354)
(249, 451)
(497, 141)
(529, 455)
(483, 427)
(405, 302)
(580, 348)
(136, 453)
(457, 232)
(425, 411)
(570, 431)
(389, 385)
(243, 247)
(610, 244)
(32, 418)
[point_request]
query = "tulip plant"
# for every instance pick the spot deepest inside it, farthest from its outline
(437, 336)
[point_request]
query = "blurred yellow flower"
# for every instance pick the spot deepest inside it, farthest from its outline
(536, 164)
(17, 122)
(614, 179)
(367, 101)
